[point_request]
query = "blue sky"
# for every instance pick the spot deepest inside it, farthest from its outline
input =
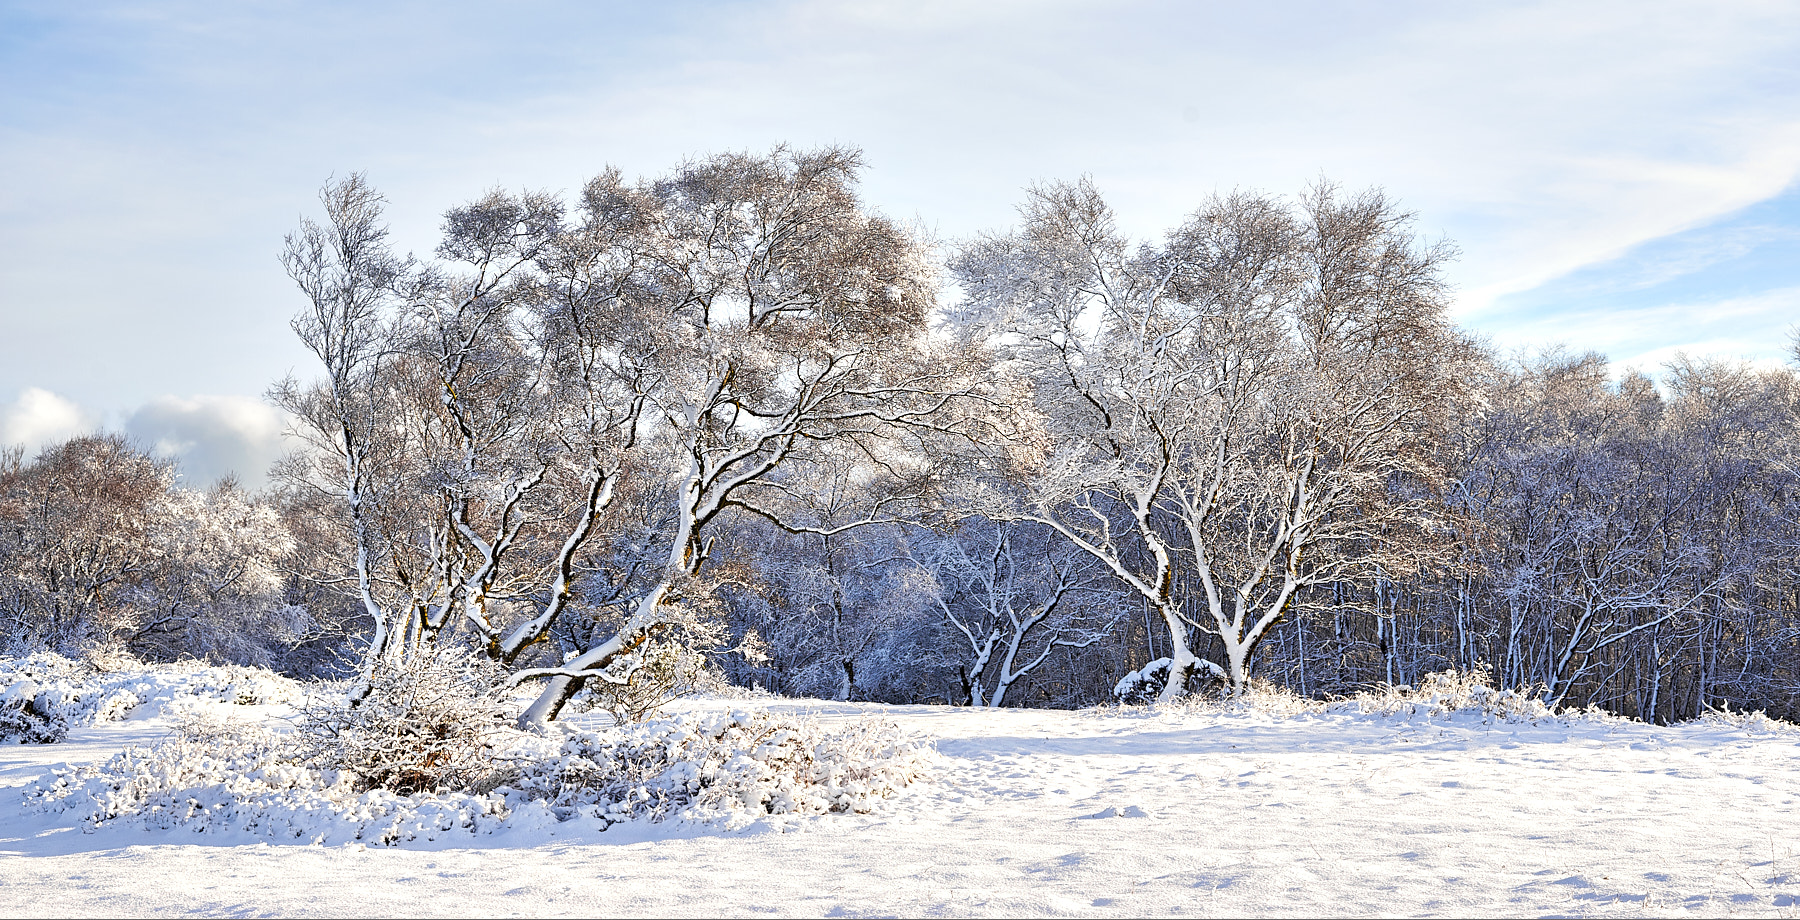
(1619, 176)
(1729, 287)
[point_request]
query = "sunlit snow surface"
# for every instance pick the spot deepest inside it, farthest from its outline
(1188, 813)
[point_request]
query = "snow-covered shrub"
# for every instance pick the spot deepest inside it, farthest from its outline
(660, 671)
(1437, 695)
(242, 686)
(214, 777)
(1446, 692)
(43, 695)
(428, 722)
(237, 778)
(24, 720)
(44, 667)
(1755, 722)
(723, 767)
(1142, 686)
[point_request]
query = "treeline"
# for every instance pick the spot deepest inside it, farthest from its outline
(730, 416)
(101, 550)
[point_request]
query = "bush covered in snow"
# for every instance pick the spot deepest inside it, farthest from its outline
(1446, 692)
(726, 770)
(1756, 722)
(427, 722)
(1438, 695)
(43, 695)
(720, 768)
(1141, 686)
(664, 668)
(213, 778)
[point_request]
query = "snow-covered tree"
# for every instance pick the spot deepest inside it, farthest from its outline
(99, 548)
(698, 333)
(77, 532)
(1232, 416)
(215, 588)
(355, 442)
(770, 317)
(1015, 597)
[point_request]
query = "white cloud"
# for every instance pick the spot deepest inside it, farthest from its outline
(39, 418)
(211, 436)
(1596, 210)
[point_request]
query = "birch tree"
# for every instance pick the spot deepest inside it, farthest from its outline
(1234, 415)
(474, 448)
(1015, 599)
(347, 273)
(486, 449)
(767, 314)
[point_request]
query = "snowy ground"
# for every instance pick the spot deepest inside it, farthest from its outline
(1060, 814)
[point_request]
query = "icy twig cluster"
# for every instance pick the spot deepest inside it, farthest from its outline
(425, 723)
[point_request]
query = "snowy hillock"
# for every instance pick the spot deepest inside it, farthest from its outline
(45, 695)
(726, 771)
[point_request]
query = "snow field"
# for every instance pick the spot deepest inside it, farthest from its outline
(1267, 808)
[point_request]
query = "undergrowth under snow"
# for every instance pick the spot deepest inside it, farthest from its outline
(1445, 696)
(726, 770)
(44, 695)
(1440, 695)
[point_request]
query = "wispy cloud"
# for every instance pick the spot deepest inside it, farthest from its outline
(1645, 337)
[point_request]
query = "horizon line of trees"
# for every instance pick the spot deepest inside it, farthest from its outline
(729, 415)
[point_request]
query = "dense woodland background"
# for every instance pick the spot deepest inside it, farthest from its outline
(728, 425)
